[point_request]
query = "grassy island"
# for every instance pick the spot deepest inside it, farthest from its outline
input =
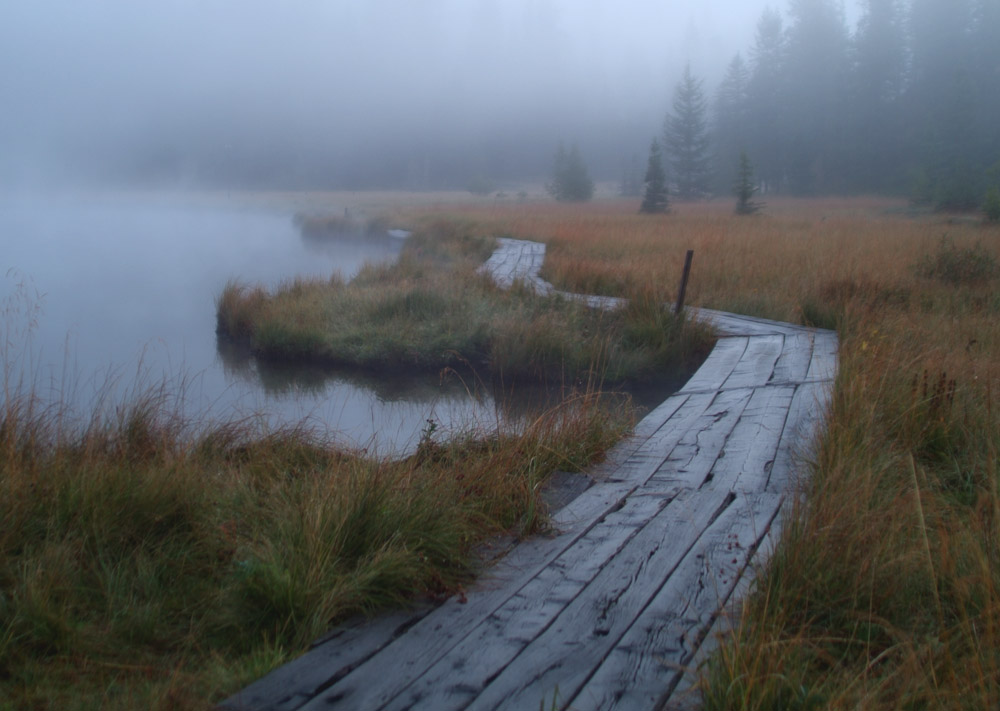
(432, 310)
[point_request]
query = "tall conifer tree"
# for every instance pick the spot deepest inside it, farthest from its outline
(765, 96)
(814, 96)
(730, 122)
(686, 138)
(874, 111)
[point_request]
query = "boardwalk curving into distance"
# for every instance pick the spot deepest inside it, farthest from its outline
(616, 607)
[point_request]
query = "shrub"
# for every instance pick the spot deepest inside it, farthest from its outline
(954, 265)
(480, 185)
(991, 206)
(570, 180)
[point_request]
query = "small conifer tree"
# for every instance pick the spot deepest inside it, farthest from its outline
(991, 206)
(746, 188)
(570, 180)
(655, 198)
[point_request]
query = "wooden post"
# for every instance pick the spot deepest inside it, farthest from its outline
(684, 281)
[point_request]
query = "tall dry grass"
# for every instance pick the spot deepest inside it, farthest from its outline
(779, 264)
(884, 592)
(149, 563)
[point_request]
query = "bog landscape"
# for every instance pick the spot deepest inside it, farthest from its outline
(259, 387)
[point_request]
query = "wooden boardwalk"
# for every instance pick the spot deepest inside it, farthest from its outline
(614, 609)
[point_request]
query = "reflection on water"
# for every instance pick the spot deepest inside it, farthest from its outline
(279, 378)
(127, 291)
(352, 246)
(128, 286)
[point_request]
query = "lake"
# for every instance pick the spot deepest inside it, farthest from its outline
(106, 296)
(119, 294)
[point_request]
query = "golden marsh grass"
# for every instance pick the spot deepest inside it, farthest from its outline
(884, 592)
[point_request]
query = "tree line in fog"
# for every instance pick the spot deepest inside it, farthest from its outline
(906, 103)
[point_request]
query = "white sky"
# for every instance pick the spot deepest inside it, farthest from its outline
(79, 71)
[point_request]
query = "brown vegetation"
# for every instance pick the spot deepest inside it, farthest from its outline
(885, 590)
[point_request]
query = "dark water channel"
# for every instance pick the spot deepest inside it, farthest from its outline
(117, 295)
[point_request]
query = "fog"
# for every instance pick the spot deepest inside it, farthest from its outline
(345, 93)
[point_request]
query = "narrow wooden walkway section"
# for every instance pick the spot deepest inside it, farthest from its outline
(612, 610)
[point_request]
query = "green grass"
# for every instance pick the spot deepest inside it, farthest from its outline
(148, 564)
(148, 561)
(431, 310)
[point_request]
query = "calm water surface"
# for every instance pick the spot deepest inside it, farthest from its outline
(125, 290)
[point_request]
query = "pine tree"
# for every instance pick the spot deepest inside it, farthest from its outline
(945, 95)
(766, 120)
(570, 180)
(686, 139)
(874, 112)
(814, 96)
(745, 188)
(655, 199)
(730, 121)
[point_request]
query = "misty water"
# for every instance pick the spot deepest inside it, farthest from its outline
(117, 296)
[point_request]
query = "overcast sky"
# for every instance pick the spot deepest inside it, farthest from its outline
(89, 75)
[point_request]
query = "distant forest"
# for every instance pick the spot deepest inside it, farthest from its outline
(907, 103)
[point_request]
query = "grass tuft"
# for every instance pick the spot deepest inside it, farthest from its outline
(145, 564)
(959, 265)
(432, 310)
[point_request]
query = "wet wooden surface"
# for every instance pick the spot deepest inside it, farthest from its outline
(611, 610)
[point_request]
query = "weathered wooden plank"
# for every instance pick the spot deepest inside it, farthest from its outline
(372, 686)
(455, 679)
(290, 686)
(580, 624)
(606, 303)
(805, 415)
(382, 675)
(806, 412)
(689, 463)
(718, 366)
(745, 462)
(658, 416)
(636, 461)
(582, 512)
(738, 325)
(642, 464)
(796, 354)
(756, 365)
(647, 662)
(434, 636)
(516, 260)
(687, 695)
(824, 361)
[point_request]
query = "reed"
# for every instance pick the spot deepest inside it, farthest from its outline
(431, 310)
(884, 591)
(149, 562)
